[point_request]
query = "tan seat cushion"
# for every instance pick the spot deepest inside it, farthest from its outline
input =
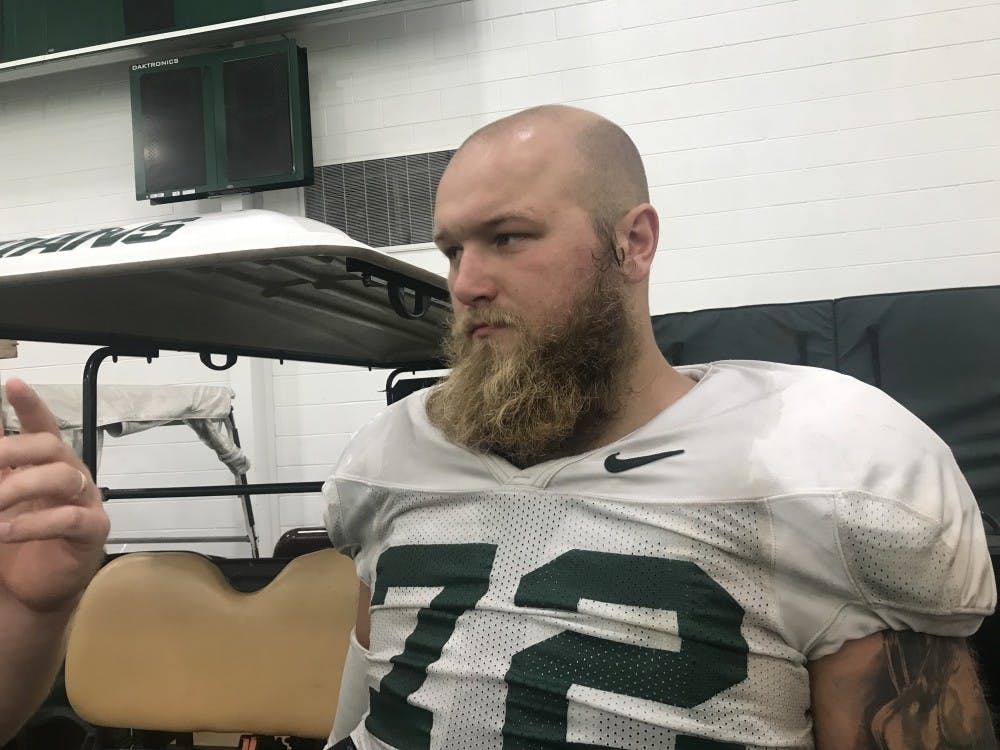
(162, 641)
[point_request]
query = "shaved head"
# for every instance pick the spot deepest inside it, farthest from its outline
(608, 176)
(545, 220)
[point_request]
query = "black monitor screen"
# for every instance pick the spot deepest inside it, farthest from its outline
(173, 129)
(258, 129)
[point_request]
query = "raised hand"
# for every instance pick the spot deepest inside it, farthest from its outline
(52, 523)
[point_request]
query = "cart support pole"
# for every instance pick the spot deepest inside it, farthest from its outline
(90, 371)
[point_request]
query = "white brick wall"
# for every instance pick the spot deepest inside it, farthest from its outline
(796, 149)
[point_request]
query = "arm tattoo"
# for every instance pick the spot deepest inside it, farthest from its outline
(926, 696)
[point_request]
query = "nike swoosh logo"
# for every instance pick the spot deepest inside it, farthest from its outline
(615, 465)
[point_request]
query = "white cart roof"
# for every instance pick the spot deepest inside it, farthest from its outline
(254, 283)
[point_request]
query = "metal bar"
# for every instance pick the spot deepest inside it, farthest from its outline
(90, 371)
(62, 336)
(391, 382)
(168, 540)
(356, 265)
(248, 518)
(218, 490)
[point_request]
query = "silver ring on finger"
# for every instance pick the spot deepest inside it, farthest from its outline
(83, 485)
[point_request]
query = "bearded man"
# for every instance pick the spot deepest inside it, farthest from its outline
(570, 543)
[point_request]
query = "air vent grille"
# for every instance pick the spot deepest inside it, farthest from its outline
(381, 202)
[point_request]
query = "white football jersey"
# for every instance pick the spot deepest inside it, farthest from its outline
(661, 592)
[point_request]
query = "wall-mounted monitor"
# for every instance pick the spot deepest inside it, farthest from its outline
(230, 121)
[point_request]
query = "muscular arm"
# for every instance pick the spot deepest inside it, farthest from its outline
(900, 691)
(31, 650)
(52, 532)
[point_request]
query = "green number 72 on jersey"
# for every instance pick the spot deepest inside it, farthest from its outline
(712, 656)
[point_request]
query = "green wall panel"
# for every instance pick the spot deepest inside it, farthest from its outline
(280, 6)
(936, 352)
(35, 27)
(24, 32)
(71, 24)
(190, 14)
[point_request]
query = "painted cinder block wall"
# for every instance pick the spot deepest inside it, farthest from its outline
(796, 149)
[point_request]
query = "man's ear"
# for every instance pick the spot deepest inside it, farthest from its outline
(637, 235)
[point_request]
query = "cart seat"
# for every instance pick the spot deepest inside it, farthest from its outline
(161, 641)
(301, 541)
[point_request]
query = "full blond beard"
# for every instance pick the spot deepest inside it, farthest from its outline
(550, 392)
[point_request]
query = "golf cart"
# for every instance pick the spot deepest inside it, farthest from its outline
(168, 643)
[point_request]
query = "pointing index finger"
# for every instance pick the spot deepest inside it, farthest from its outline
(31, 410)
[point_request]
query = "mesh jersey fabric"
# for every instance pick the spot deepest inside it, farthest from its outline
(674, 604)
